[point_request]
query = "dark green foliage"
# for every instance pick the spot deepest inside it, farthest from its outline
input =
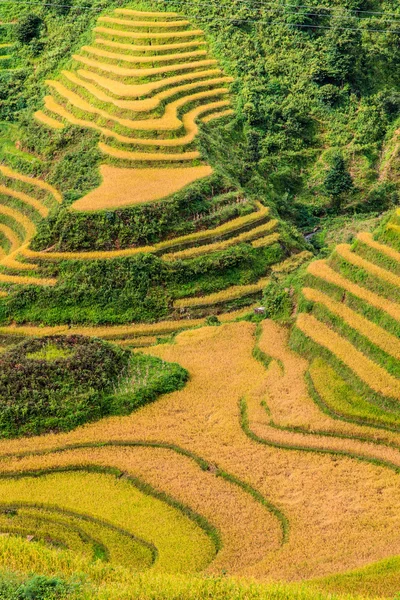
(338, 181)
(28, 28)
(36, 587)
(39, 394)
(56, 383)
(277, 301)
(139, 225)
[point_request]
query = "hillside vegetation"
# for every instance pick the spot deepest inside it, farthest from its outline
(217, 186)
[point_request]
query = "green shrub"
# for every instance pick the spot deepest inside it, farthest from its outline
(38, 394)
(28, 28)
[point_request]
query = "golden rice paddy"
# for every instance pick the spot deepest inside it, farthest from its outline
(97, 102)
(133, 186)
(352, 519)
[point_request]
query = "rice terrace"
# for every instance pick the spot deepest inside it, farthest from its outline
(200, 300)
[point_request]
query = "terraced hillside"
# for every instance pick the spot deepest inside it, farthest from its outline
(24, 202)
(228, 483)
(351, 323)
(142, 84)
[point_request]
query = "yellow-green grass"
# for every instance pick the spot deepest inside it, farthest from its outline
(265, 241)
(374, 376)
(143, 59)
(343, 401)
(125, 90)
(7, 172)
(323, 271)
(376, 334)
(181, 545)
(26, 199)
(148, 103)
(140, 23)
(233, 293)
(143, 72)
(147, 36)
(247, 236)
(125, 187)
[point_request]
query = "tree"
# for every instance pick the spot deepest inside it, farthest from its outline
(338, 181)
(28, 28)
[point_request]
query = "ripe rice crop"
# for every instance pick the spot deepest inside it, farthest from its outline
(152, 48)
(182, 546)
(22, 280)
(378, 336)
(139, 23)
(217, 115)
(320, 269)
(10, 235)
(47, 120)
(204, 417)
(23, 222)
(147, 36)
(126, 72)
(217, 246)
(366, 238)
(235, 225)
(124, 187)
(143, 59)
(147, 103)
(168, 121)
(142, 89)
(290, 405)
(343, 401)
(148, 156)
(373, 375)
(144, 14)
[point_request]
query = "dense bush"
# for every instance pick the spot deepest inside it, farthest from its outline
(28, 28)
(56, 383)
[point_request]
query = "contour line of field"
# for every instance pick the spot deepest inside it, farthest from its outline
(143, 59)
(121, 89)
(169, 121)
(376, 334)
(376, 377)
(146, 104)
(322, 270)
(143, 72)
